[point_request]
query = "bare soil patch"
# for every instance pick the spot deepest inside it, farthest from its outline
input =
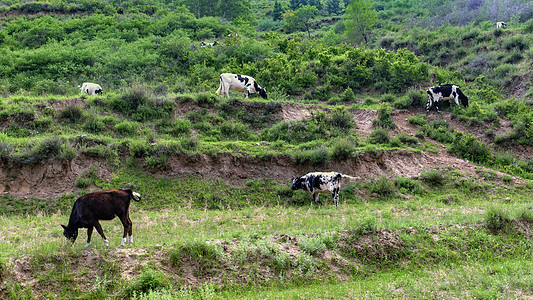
(51, 178)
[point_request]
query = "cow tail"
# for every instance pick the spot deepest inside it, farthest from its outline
(348, 176)
(220, 89)
(132, 195)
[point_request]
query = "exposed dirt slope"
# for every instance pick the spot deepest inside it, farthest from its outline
(52, 178)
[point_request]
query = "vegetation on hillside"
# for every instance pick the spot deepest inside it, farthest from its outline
(202, 237)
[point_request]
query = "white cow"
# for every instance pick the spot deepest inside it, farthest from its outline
(242, 83)
(500, 24)
(90, 88)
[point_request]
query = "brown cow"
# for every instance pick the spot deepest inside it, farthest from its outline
(102, 205)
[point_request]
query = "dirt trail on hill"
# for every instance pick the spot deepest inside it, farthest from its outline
(52, 178)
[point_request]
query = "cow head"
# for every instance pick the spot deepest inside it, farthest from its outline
(463, 98)
(297, 183)
(70, 234)
(263, 93)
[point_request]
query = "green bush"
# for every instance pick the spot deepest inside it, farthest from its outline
(434, 178)
(342, 149)
(379, 136)
(149, 280)
(497, 220)
(419, 120)
(125, 128)
(408, 185)
(71, 114)
(180, 127)
(83, 182)
(382, 186)
(313, 245)
(94, 124)
(384, 119)
(468, 147)
(318, 156)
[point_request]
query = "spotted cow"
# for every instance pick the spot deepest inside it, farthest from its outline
(317, 183)
(445, 92)
(242, 83)
(204, 44)
(90, 88)
(500, 24)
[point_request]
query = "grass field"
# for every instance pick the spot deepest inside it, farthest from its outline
(443, 243)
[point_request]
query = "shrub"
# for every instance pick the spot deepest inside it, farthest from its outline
(312, 245)
(408, 184)
(342, 149)
(180, 127)
(125, 128)
(348, 95)
(83, 182)
(318, 156)
(496, 220)
(46, 148)
(515, 42)
(384, 119)
(71, 114)
(94, 124)
(341, 119)
(205, 99)
(419, 120)
(133, 98)
(382, 186)
(379, 136)
(433, 178)
(149, 280)
(205, 254)
(468, 147)
(407, 139)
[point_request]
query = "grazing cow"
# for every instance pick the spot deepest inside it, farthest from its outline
(500, 24)
(204, 44)
(90, 88)
(445, 92)
(242, 83)
(102, 205)
(320, 182)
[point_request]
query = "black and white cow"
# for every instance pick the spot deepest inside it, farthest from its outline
(500, 24)
(445, 92)
(90, 88)
(242, 83)
(316, 183)
(204, 44)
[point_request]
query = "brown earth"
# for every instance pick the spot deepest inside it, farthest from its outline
(52, 178)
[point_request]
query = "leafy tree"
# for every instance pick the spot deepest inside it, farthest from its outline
(276, 13)
(359, 18)
(302, 19)
(295, 4)
(333, 7)
(231, 9)
(200, 8)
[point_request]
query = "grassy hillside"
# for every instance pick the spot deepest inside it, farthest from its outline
(441, 208)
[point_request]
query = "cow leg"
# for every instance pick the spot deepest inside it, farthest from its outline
(457, 101)
(428, 105)
(316, 197)
(437, 106)
(89, 234)
(226, 91)
(101, 232)
(335, 195)
(126, 222)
